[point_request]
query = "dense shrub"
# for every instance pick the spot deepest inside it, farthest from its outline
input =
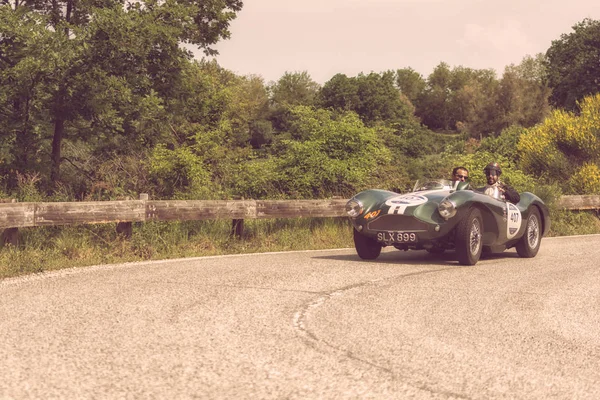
(564, 146)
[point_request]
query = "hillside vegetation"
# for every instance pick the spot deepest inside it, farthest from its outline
(101, 102)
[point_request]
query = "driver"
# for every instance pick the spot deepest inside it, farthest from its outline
(460, 174)
(492, 173)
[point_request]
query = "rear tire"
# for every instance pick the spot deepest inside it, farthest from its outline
(468, 239)
(529, 245)
(367, 248)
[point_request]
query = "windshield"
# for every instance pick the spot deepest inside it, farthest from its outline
(434, 184)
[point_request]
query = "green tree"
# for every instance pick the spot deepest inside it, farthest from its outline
(135, 49)
(471, 100)
(374, 97)
(411, 84)
(292, 89)
(434, 107)
(572, 64)
(522, 96)
(339, 93)
(335, 155)
(27, 53)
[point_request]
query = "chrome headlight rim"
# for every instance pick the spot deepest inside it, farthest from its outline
(354, 208)
(447, 209)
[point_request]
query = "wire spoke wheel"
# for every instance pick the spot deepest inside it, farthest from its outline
(529, 245)
(533, 231)
(475, 236)
(469, 237)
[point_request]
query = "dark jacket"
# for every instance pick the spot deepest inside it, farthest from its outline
(510, 194)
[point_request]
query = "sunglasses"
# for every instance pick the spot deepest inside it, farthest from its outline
(491, 173)
(461, 176)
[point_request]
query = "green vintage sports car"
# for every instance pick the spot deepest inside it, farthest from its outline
(442, 215)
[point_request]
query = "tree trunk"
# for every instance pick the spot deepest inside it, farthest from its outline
(59, 129)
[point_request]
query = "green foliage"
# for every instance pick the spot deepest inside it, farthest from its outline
(374, 97)
(51, 248)
(338, 155)
(431, 166)
(413, 141)
(104, 72)
(476, 103)
(566, 223)
(178, 170)
(572, 65)
(522, 95)
(411, 84)
(294, 89)
(30, 56)
(254, 178)
(27, 188)
(504, 144)
(586, 179)
(563, 144)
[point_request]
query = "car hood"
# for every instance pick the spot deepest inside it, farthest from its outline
(387, 202)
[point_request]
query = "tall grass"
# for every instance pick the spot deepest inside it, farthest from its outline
(567, 223)
(52, 248)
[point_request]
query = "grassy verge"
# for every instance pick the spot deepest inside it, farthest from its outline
(53, 248)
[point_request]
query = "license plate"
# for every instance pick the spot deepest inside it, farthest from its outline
(396, 237)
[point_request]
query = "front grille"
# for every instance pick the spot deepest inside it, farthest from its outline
(393, 222)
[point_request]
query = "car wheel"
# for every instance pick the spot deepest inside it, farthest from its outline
(468, 239)
(529, 245)
(367, 248)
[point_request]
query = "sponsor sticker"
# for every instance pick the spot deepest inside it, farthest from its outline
(399, 204)
(372, 214)
(514, 220)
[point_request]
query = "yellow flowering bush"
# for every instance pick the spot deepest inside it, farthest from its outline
(586, 180)
(564, 145)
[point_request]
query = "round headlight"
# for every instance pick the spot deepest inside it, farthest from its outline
(447, 209)
(354, 208)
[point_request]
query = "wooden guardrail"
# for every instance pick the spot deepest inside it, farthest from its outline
(20, 215)
(579, 202)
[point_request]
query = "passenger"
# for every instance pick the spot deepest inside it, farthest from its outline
(492, 173)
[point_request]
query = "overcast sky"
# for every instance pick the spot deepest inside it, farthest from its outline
(325, 37)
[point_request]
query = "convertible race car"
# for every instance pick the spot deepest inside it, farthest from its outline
(442, 215)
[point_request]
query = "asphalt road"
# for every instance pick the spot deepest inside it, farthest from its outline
(319, 324)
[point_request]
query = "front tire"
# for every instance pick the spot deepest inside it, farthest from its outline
(469, 233)
(529, 245)
(367, 248)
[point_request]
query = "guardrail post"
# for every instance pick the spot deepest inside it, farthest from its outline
(143, 196)
(126, 228)
(237, 225)
(237, 228)
(10, 236)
